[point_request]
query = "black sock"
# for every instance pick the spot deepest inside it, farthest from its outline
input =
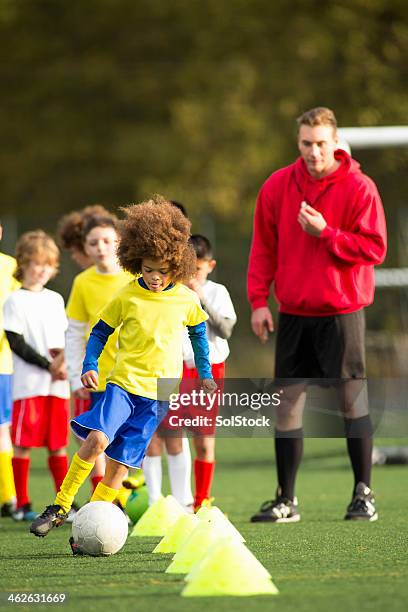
(359, 434)
(289, 452)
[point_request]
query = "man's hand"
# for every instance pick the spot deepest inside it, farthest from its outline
(262, 323)
(82, 393)
(311, 220)
(209, 385)
(90, 379)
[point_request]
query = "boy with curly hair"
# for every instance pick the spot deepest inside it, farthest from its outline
(152, 312)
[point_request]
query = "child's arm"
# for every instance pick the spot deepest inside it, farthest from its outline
(26, 352)
(198, 339)
(75, 343)
(96, 342)
(222, 326)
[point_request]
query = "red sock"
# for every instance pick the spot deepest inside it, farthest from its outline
(21, 469)
(203, 472)
(95, 481)
(58, 466)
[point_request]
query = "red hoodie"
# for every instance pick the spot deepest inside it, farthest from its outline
(317, 276)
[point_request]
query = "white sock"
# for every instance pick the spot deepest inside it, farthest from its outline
(152, 469)
(180, 475)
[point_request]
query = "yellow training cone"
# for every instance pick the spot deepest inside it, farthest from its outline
(159, 517)
(213, 514)
(194, 548)
(229, 568)
(177, 534)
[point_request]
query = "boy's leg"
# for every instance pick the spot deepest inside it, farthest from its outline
(152, 468)
(98, 471)
(58, 466)
(179, 464)
(21, 470)
(204, 466)
(109, 486)
(7, 488)
(80, 468)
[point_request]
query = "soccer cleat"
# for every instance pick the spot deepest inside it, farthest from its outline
(134, 482)
(7, 509)
(205, 503)
(76, 549)
(362, 506)
(278, 510)
(71, 514)
(24, 513)
(53, 516)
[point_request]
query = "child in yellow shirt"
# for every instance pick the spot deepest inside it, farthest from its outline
(152, 312)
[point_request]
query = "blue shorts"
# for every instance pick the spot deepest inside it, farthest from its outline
(95, 397)
(6, 398)
(127, 420)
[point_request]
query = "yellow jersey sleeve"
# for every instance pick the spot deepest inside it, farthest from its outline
(196, 314)
(76, 308)
(8, 284)
(112, 313)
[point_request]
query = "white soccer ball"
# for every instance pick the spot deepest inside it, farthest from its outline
(100, 529)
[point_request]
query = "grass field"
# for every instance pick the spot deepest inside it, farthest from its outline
(318, 564)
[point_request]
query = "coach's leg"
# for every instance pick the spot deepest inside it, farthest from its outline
(358, 429)
(289, 437)
(354, 395)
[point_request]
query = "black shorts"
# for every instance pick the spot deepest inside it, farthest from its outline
(321, 347)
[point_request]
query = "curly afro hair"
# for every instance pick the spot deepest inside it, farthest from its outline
(156, 230)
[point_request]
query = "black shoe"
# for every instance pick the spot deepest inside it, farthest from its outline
(24, 513)
(76, 549)
(7, 509)
(362, 506)
(53, 516)
(278, 510)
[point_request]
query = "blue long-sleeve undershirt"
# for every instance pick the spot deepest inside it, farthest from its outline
(96, 342)
(101, 332)
(199, 341)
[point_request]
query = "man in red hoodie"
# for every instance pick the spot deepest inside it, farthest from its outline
(319, 229)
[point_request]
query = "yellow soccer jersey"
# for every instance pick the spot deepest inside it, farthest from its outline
(7, 284)
(151, 336)
(90, 292)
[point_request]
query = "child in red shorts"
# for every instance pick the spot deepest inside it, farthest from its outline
(216, 301)
(35, 324)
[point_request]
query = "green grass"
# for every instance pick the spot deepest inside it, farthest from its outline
(318, 564)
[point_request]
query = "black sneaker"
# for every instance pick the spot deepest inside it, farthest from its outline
(362, 506)
(7, 509)
(76, 549)
(278, 510)
(53, 516)
(24, 513)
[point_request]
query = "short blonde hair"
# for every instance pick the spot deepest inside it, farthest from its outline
(321, 115)
(35, 245)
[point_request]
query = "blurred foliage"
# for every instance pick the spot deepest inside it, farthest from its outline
(111, 100)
